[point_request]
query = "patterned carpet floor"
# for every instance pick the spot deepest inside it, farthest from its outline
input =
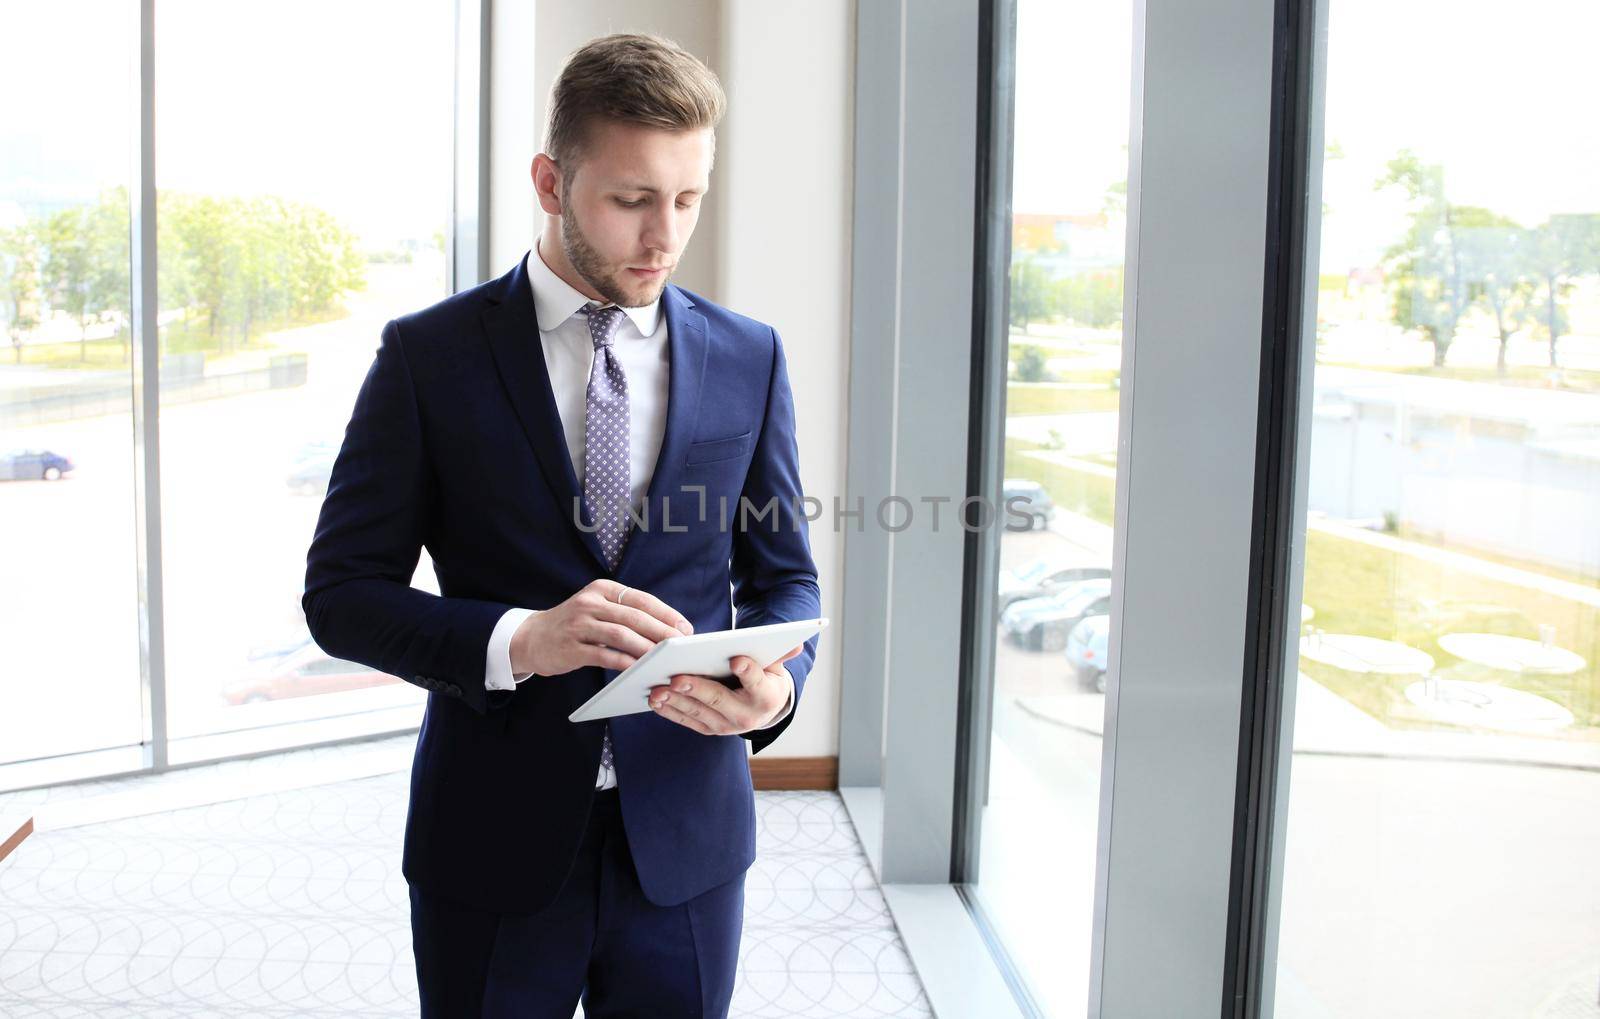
(291, 903)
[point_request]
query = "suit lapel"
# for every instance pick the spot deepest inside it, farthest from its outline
(686, 365)
(513, 331)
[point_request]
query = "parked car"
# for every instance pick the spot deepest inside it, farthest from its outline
(310, 475)
(1041, 578)
(1087, 646)
(33, 465)
(1032, 507)
(287, 644)
(1043, 624)
(303, 672)
(316, 449)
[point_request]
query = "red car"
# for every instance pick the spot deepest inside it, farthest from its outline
(302, 672)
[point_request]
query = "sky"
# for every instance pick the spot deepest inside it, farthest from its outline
(345, 104)
(1501, 95)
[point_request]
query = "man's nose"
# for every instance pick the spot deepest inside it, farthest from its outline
(662, 231)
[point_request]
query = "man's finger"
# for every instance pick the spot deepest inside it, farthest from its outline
(614, 635)
(634, 598)
(710, 693)
(792, 652)
(637, 620)
(605, 657)
(700, 722)
(750, 674)
(716, 720)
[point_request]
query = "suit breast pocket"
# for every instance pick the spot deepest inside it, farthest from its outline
(712, 450)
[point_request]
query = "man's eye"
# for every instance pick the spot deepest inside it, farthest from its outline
(636, 204)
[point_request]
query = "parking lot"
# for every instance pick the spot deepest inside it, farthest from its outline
(234, 540)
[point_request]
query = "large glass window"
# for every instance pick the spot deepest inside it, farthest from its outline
(1037, 862)
(301, 206)
(304, 198)
(69, 648)
(1444, 812)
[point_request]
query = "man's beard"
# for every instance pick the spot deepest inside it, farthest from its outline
(588, 264)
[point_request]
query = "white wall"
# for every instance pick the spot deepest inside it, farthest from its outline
(785, 170)
(773, 239)
(515, 106)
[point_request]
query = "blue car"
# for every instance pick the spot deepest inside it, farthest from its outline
(1042, 624)
(1087, 646)
(33, 465)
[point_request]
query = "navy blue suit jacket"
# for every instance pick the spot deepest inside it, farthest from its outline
(455, 445)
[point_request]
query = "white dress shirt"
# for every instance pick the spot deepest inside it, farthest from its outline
(641, 345)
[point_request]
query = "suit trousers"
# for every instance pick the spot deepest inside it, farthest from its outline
(601, 942)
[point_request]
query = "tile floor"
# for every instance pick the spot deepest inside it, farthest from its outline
(291, 903)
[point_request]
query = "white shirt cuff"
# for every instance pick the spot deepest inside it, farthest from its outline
(497, 659)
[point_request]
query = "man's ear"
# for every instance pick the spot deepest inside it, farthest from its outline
(545, 172)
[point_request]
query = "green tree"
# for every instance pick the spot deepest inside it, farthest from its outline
(1089, 298)
(1561, 250)
(206, 252)
(110, 273)
(1114, 200)
(20, 294)
(66, 269)
(85, 266)
(1495, 259)
(1425, 275)
(1031, 364)
(241, 262)
(1030, 293)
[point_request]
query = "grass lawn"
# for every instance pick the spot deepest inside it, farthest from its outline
(1029, 398)
(1573, 380)
(1358, 588)
(178, 337)
(111, 352)
(1074, 491)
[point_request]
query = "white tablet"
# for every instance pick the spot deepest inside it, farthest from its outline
(704, 654)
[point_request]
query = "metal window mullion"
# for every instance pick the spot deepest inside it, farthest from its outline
(146, 382)
(1261, 976)
(1186, 482)
(933, 374)
(1269, 631)
(987, 432)
(468, 246)
(875, 234)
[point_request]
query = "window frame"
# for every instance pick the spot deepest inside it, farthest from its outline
(467, 247)
(1193, 770)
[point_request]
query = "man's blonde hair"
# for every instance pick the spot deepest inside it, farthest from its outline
(633, 79)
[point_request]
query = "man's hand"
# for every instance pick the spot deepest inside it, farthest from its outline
(703, 704)
(594, 628)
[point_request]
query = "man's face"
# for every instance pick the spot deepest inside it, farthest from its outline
(632, 206)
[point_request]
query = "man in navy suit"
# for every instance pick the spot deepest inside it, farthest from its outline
(501, 428)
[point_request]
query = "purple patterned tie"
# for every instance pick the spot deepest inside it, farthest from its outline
(605, 448)
(606, 485)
